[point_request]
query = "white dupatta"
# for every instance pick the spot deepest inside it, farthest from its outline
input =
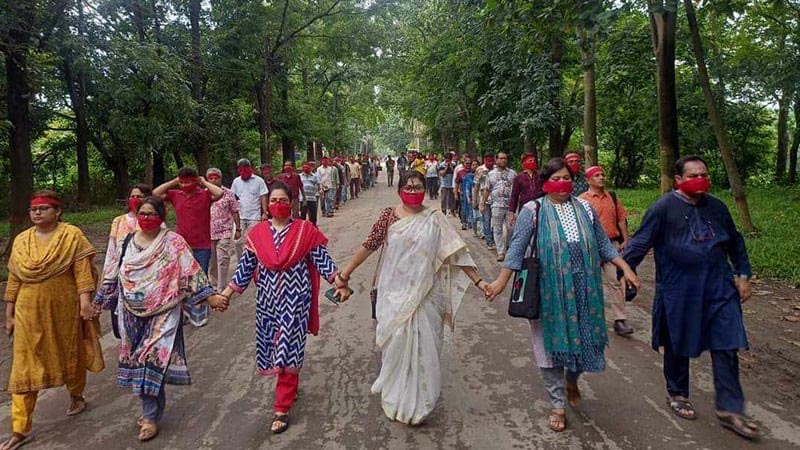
(420, 288)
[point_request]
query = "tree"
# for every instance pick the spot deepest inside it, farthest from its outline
(663, 20)
(720, 132)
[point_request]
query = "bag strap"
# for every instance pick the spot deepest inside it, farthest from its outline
(124, 248)
(616, 208)
(534, 245)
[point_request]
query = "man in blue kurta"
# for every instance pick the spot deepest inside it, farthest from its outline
(702, 278)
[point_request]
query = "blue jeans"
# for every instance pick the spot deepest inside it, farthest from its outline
(327, 205)
(153, 407)
(487, 226)
(198, 314)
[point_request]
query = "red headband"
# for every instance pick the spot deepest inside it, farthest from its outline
(594, 170)
(214, 176)
(42, 201)
(572, 155)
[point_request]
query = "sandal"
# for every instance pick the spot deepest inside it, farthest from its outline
(16, 441)
(573, 395)
(558, 421)
(682, 407)
(283, 423)
(148, 430)
(76, 406)
(739, 424)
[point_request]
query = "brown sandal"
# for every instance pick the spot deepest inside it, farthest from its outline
(76, 406)
(148, 430)
(739, 424)
(573, 395)
(282, 420)
(558, 421)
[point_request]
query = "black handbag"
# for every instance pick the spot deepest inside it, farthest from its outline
(114, 315)
(525, 301)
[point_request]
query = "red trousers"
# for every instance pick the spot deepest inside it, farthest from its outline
(286, 391)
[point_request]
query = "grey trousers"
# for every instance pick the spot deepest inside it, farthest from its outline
(553, 378)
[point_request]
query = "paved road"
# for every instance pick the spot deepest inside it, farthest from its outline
(491, 398)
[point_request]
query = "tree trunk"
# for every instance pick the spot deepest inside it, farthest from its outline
(264, 108)
(119, 167)
(586, 40)
(555, 143)
(159, 172)
(720, 132)
(18, 97)
(662, 23)
(200, 149)
(76, 87)
(795, 142)
(783, 135)
(176, 155)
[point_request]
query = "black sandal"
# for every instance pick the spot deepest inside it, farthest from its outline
(282, 419)
(678, 403)
(739, 424)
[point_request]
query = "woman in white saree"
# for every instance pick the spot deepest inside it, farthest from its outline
(425, 271)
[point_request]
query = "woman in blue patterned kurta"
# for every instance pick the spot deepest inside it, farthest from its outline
(570, 336)
(284, 254)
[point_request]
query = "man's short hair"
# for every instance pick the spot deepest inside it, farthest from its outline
(187, 172)
(244, 162)
(679, 164)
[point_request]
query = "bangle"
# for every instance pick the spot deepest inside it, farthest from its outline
(478, 282)
(339, 275)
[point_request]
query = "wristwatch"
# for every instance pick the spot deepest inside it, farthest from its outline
(743, 277)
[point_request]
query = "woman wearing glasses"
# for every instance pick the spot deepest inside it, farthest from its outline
(49, 291)
(284, 254)
(425, 271)
(154, 276)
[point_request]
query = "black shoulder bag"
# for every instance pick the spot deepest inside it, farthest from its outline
(525, 301)
(114, 315)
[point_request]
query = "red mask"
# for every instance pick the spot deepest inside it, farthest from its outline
(412, 198)
(149, 223)
(306, 169)
(188, 188)
(529, 164)
(695, 186)
(245, 172)
(134, 203)
(557, 187)
(575, 167)
(280, 210)
(287, 170)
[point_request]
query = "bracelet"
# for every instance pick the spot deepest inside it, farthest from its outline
(339, 275)
(478, 282)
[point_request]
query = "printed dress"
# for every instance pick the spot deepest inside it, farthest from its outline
(283, 304)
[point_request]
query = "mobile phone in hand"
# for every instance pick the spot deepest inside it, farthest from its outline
(330, 294)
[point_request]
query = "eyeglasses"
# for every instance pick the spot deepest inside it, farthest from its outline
(414, 188)
(279, 200)
(706, 233)
(39, 209)
(147, 215)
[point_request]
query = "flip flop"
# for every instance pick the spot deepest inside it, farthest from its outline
(77, 406)
(557, 422)
(21, 439)
(740, 425)
(677, 403)
(282, 419)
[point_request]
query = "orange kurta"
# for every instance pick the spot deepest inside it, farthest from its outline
(45, 280)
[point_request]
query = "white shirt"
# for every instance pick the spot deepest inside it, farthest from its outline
(325, 175)
(249, 194)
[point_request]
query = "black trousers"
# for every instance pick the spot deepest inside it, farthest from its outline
(309, 212)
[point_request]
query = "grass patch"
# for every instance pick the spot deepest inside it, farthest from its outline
(775, 250)
(79, 219)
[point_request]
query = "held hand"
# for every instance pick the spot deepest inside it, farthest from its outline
(343, 293)
(218, 302)
(493, 290)
(88, 310)
(630, 279)
(339, 282)
(744, 288)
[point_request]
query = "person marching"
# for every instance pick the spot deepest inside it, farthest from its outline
(126, 224)
(153, 275)
(48, 298)
(613, 218)
(226, 229)
(251, 191)
(311, 191)
(390, 170)
(498, 190)
(415, 302)
(524, 188)
(702, 279)
(570, 336)
(286, 257)
(574, 162)
(290, 178)
(355, 177)
(328, 176)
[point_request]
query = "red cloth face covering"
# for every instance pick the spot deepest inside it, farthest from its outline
(412, 199)
(695, 186)
(287, 170)
(134, 203)
(306, 170)
(557, 187)
(245, 172)
(150, 223)
(529, 164)
(574, 167)
(280, 210)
